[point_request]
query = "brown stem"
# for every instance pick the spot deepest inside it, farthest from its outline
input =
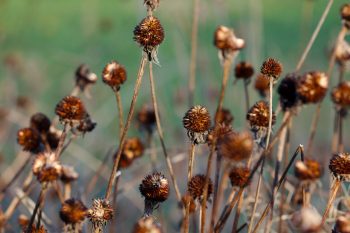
(39, 203)
(246, 93)
(340, 143)
(270, 113)
(126, 128)
(332, 196)
(59, 148)
(93, 180)
(189, 176)
(112, 228)
(120, 112)
(215, 207)
(313, 128)
(335, 138)
(67, 190)
(238, 213)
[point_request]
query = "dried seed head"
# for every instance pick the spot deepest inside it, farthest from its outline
(149, 34)
(340, 166)
(100, 213)
(53, 138)
(151, 4)
(86, 125)
(226, 41)
(307, 220)
(197, 122)
(70, 110)
(73, 211)
(312, 87)
(68, 174)
(132, 149)
(196, 185)
(258, 115)
(262, 85)
(188, 198)
(147, 225)
(342, 224)
(244, 70)
(342, 53)
(271, 68)
(224, 116)
(235, 146)
(288, 92)
(146, 117)
(341, 94)
(40, 122)
(114, 75)
(239, 176)
(29, 139)
(23, 222)
(308, 170)
(345, 14)
(84, 77)
(155, 187)
(218, 132)
(46, 168)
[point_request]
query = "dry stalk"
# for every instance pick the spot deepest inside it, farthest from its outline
(120, 112)
(332, 195)
(189, 176)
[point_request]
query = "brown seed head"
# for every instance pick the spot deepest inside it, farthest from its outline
(114, 75)
(84, 77)
(196, 185)
(236, 146)
(23, 222)
(100, 213)
(244, 70)
(73, 211)
(133, 148)
(345, 14)
(307, 220)
(197, 122)
(271, 68)
(226, 40)
(258, 115)
(218, 132)
(86, 125)
(185, 198)
(147, 225)
(46, 168)
(239, 176)
(224, 116)
(312, 87)
(339, 165)
(70, 110)
(29, 139)
(155, 187)
(151, 4)
(308, 170)
(342, 224)
(287, 91)
(262, 85)
(149, 33)
(146, 117)
(341, 94)
(40, 122)
(68, 174)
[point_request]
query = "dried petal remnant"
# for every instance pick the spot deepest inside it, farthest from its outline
(70, 109)
(340, 166)
(312, 87)
(73, 211)
(235, 146)
(155, 187)
(271, 68)
(308, 170)
(100, 213)
(114, 75)
(196, 187)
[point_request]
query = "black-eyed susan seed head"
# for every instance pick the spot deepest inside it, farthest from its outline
(70, 110)
(46, 167)
(147, 225)
(342, 224)
(224, 116)
(244, 70)
(100, 213)
(29, 139)
(73, 211)
(262, 85)
(341, 94)
(235, 146)
(312, 87)
(308, 170)
(258, 115)
(146, 118)
(239, 176)
(226, 41)
(155, 187)
(151, 4)
(195, 187)
(40, 122)
(271, 68)
(287, 91)
(339, 165)
(84, 77)
(114, 75)
(197, 122)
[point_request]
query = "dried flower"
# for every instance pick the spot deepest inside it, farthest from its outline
(196, 185)
(307, 220)
(239, 176)
(262, 85)
(23, 221)
(226, 41)
(114, 75)
(258, 116)
(147, 118)
(71, 110)
(46, 167)
(288, 92)
(197, 122)
(155, 187)
(308, 170)
(271, 68)
(40, 122)
(84, 77)
(219, 131)
(68, 174)
(340, 166)
(73, 211)
(100, 213)
(151, 4)
(147, 225)
(342, 224)
(341, 94)
(86, 125)
(312, 87)
(235, 146)
(244, 70)
(132, 149)
(29, 139)
(224, 116)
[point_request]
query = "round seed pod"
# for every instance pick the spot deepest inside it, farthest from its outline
(239, 176)
(29, 139)
(258, 115)
(308, 170)
(146, 117)
(244, 70)
(100, 213)
(196, 185)
(133, 148)
(312, 87)
(341, 94)
(262, 85)
(147, 225)
(271, 68)
(339, 165)
(287, 91)
(235, 146)
(84, 77)
(342, 224)
(226, 40)
(224, 116)
(155, 187)
(197, 122)
(70, 110)
(73, 211)
(40, 122)
(46, 168)
(114, 75)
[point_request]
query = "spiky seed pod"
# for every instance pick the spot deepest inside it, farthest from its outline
(307, 220)
(244, 70)
(342, 224)
(151, 4)
(146, 117)
(155, 187)
(149, 34)
(218, 132)
(271, 68)
(312, 87)
(40, 122)
(226, 41)
(341, 94)
(287, 91)
(195, 187)
(188, 198)
(345, 14)
(147, 225)
(114, 75)
(73, 211)
(84, 77)
(235, 146)
(239, 176)
(197, 122)
(258, 115)
(29, 139)
(46, 168)
(262, 85)
(133, 148)
(70, 110)
(308, 170)
(100, 213)
(339, 165)
(224, 116)
(68, 174)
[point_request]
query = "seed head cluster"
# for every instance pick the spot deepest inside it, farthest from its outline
(100, 213)
(197, 122)
(70, 110)
(46, 167)
(29, 139)
(226, 41)
(271, 68)
(262, 85)
(84, 77)
(258, 115)
(287, 91)
(146, 117)
(132, 149)
(147, 225)
(155, 187)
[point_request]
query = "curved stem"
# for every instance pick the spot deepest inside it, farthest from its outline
(120, 112)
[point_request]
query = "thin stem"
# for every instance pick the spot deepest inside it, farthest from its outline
(91, 185)
(270, 113)
(112, 229)
(246, 93)
(238, 213)
(340, 142)
(340, 37)
(120, 112)
(215, 207)
(335, 138)
(39, 202)
(313, 128)
(189, 176)
(125, 130)
(59, 148)
(332, 195)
